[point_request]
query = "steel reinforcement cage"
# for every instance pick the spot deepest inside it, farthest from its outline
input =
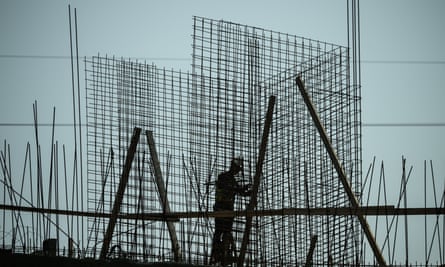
(200, 120)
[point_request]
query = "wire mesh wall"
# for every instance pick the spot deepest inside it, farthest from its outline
(200, 121)
(123, 95)
(237, 67)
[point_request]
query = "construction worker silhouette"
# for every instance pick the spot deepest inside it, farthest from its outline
(227, 188)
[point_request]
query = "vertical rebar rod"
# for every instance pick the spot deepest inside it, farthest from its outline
(51, 172)
(80, 127)
(425, 217)
(436, 225)
(405, 205)
(386, 216)
(4, 201)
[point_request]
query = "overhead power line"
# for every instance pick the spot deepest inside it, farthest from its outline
(390, 124)
(415, 124)
(69, 58)
(407, 62)
(413, 62)
(25, 124)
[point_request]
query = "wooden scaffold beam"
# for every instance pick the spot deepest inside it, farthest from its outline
(389, 210)
(340, 171)
(120, 192)
(163, 195)
(256, 180)
(310, 252)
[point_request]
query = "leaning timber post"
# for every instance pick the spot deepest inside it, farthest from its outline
(310, 253)
(120, 192)
(341, 172)
(163, 195)
(256, 180)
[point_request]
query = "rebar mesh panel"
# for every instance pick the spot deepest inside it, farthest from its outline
(201, 120)
(121, 95)
(236, 68)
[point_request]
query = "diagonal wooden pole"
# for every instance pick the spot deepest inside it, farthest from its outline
(341, 172)
(310, 253)
(120, 192)
(163, 195)
(256, 180)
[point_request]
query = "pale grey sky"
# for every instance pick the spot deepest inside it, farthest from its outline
(402, 48)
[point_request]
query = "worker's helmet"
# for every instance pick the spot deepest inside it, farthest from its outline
(238, 162)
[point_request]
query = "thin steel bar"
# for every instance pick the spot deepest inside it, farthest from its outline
(404, 180)
(436, 225)
(80, 125)
(75, 171)
(386, 217)
(51, 172)
(425, 233)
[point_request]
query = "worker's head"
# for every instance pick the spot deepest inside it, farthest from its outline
(236, 165)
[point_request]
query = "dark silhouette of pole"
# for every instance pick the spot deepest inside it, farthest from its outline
(256, 180)
(120, 192)
(340, 171)
(163, 195)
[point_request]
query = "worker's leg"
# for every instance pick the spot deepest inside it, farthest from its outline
(216, 242)
(227, 251)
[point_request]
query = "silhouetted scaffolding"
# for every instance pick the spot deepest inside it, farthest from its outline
(237, 68)
(200, 120)
(158, 138)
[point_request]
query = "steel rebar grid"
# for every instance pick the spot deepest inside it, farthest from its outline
(203, 119)
(239, 59)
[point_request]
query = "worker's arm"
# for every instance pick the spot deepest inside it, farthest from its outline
(231, 185)
(245, 190)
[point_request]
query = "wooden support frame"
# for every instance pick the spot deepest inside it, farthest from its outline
(120, 192)
(256, 180)
(163, 195)
(176, 216)
(310, 253)
(340, 171)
